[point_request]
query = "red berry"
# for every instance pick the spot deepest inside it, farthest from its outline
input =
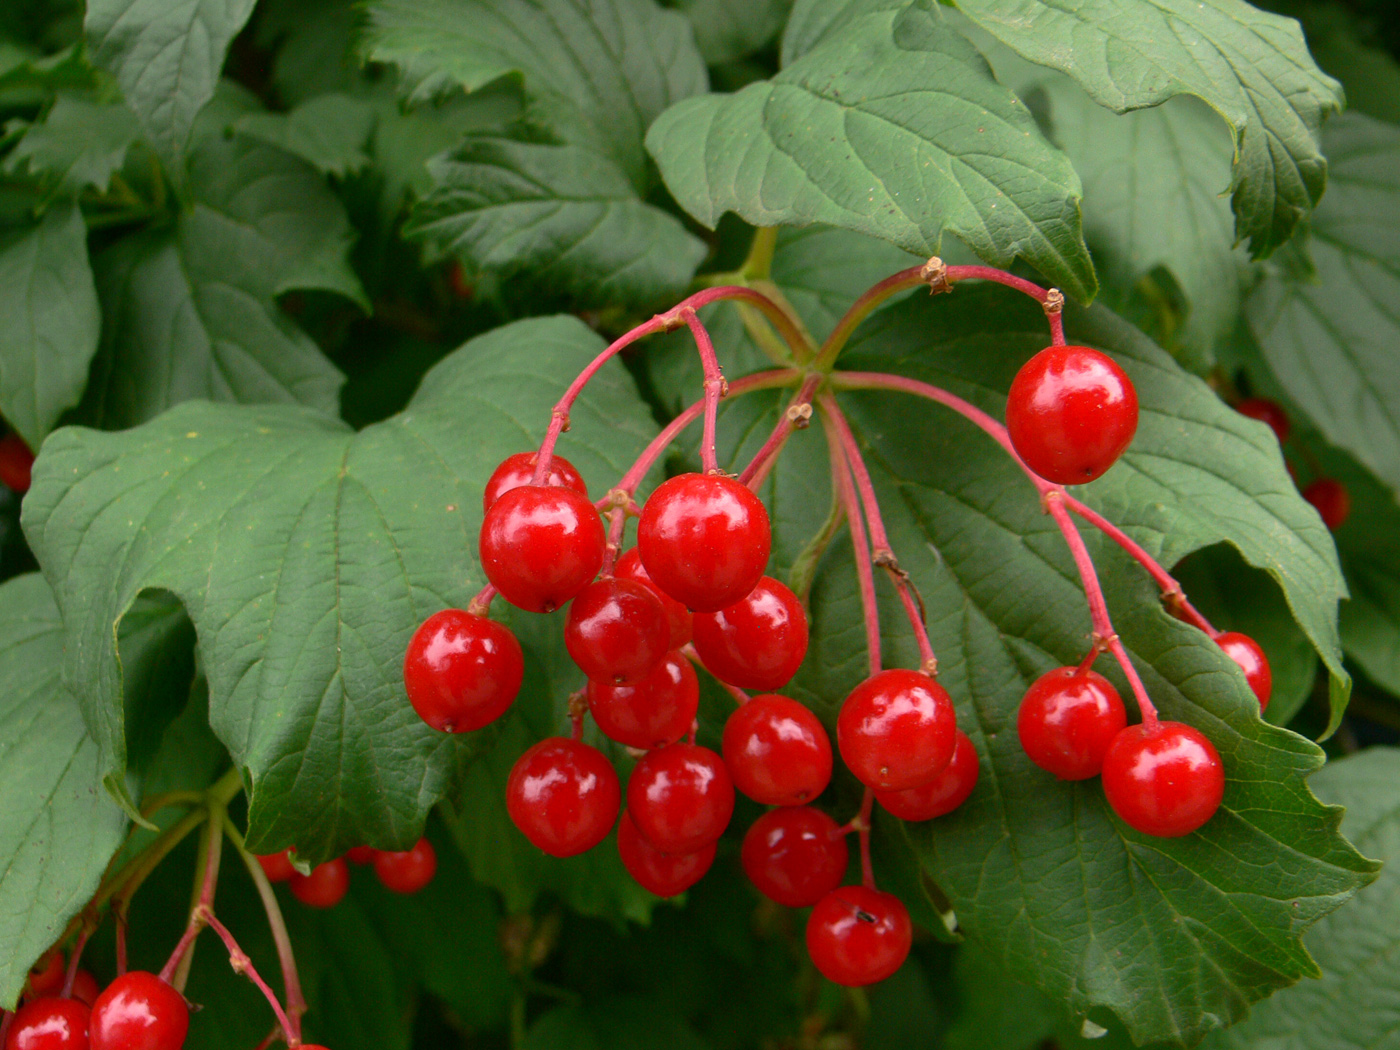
(462, 288)
(139, 1011)
(756, 643)
(943, 794)
(795, 855)
(1266, 411)
(519, 469)
(1068, 720)
(859, 936)
(325, 887)
(540, 546)
(462, 671)
(777, 751)
(678, 617)
(1331, 499)
(85, 987)
(616, 631)
(46, 977)
(407, 871)
(1071, 412)
(1246, 652)
(704, 540)
(664, 874)
(277, 866)
(362, 855)
(15, 462)
(1164, 780)
(680, 797)
(49, 1023)
(655, 712)
(896, 730)
(563, 795)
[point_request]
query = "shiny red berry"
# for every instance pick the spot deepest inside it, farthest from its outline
(1068, 720)
(85, 988)
(704, 540)
(756, 643)
(1266, 411)
(943, 794)
(139, 1011)
(49, 1023)
(616, 631)
(681, 797)
(361, 855)
(277, 866)
(795, 855)
(325, 887)
(462, 671)
(1071, 412)
(858, 936)
(16, 460)
(678, 617)
(1331, 500)
(664, 874)
(777, 751)
(655, 712)
(1164, 780)
(896, 730)
(519, 469)
(540, 546)
(563, 795)
(46, 976)
(1245, 651)
(407, 871)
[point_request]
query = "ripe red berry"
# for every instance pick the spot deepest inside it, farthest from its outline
(858, 936)
(795, 855)
(1266, 411)
(540, 546)
(777, 751)
(1331, 499)
(277, 866)
(896, 730)
(519, 469)
(678, 617)
(704, 540)
(655, 712)
(325, 887)
(1068, 720)
(943, 794)
(756, 643)
(1071, 412)
(1164, 780)
(139, 1011)
(46, 977)
(616, 631)
(664, 874)
(361, 855)
(680, 797)
(407, 871)
(49, 1023)
(85, 987)
(563, 795)
(1245, 651)
(15, 462)
(462, 671)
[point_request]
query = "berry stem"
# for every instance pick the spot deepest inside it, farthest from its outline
(845, 488)
(714, 389)
(795, 417)
(207, 872)
(867, 869)
(238, 959)
(740, 697)
(480, 604)
(72, 972)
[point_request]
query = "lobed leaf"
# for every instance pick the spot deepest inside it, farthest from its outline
(329, 132)
(79, 144)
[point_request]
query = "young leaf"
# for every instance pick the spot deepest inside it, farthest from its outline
(79, 144)
(329, 132)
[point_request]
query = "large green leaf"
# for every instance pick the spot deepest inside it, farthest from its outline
(1251, 67)
(1331, 338)
(892, 126)
(58, 828)
(167, 58)
(51, 321)
(78, 144)
(728, 30)
(306, 555)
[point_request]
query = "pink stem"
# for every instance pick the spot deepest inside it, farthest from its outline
(740, 697)
(714, 390)
(617, 523)
(72, 973)
(240, 962)
(841, 480)
(270, 1038)
(867, 869)
(286, 958)
(480, 605)
(991, 273)
(213, 850)
(794, 416)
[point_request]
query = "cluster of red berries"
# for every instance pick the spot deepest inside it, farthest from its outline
(1327, 495)
(405, 871)
(16, 460)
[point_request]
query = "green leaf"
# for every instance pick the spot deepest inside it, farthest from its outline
(52, 321)
(313, 43)
(728, 30)
(329, 132)
(1251, 67)
(612, 1023)
(79, 144)
(167, 59)
(1331, 340)
(1352, 1006)
(306, 555)
(564, 216)
(191, 312)
(600, 70)
(893, 127)
(58, 828)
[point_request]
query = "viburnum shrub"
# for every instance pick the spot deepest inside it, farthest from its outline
(811, 525)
